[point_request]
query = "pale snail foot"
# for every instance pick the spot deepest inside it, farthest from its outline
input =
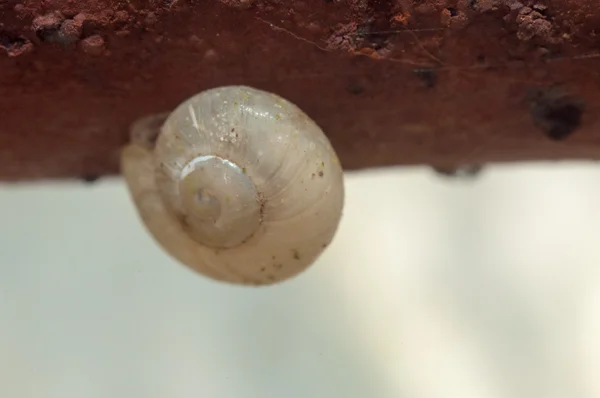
(236, 183)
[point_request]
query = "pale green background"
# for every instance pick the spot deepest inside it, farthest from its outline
(432, 289)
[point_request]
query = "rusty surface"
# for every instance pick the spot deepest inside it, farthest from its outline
(440, 82)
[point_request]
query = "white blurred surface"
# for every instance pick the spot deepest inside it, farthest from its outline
(433, 288)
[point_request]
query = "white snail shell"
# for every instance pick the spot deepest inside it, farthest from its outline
(237, 183)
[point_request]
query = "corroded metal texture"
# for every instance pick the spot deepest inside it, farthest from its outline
(439, 82)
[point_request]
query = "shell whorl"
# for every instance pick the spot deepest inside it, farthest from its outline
(246, 184)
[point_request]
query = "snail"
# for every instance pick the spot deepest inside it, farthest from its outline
(236, 183)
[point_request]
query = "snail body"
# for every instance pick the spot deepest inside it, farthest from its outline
(237, 183)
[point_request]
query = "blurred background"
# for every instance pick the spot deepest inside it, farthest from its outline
(434, 287)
